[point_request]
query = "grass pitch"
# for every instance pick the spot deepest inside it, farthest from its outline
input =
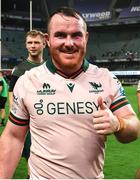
(122, 160)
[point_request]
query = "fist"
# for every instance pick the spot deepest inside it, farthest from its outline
(104, 122)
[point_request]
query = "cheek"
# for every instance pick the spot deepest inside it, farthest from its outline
(81, 43)
(53, 45)
(27, 46)
(82, 47)
(54, 42)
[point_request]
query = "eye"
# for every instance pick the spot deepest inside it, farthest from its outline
(37, 42)
(77, 34)
(29, 42)
(60, 34)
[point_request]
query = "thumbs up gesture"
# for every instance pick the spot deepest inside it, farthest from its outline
(104, 121)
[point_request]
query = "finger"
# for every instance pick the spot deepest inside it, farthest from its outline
(99, 120)
(101, 103)
(101, 126)
(102, 132)
(98, 114)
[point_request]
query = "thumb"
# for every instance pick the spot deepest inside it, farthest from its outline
(101, 103)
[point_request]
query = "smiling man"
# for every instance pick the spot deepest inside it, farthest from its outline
(67, 39)
(70, 106)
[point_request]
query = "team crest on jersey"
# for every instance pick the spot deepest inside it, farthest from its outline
(96, 87)
(46, 90)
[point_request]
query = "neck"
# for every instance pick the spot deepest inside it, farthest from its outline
(67, 70)
(35, 59)
(70, 75)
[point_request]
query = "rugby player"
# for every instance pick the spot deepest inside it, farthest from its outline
(35, 44)
(3, 98)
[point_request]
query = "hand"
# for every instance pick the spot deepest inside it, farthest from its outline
(104, 121)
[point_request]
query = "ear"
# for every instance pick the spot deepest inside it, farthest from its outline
(47, 39)
(44, 43)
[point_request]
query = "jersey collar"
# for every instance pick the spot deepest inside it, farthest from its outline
(32, 62)
(53, 69)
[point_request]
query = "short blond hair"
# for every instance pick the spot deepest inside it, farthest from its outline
(34, 33)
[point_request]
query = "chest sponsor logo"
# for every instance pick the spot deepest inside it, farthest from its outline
(96, 87)
(46, 90)
(64, 108)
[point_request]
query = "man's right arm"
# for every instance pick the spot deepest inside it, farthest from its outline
(11, 145)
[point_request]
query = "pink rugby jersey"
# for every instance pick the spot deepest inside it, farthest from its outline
(59, 111)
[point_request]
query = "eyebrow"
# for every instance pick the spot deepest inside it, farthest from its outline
(61, 33)
(78, 33)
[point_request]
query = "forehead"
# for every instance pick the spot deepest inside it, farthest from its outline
(34, 38)
(61, 22)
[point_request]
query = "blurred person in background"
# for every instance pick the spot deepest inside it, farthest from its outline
(3, 98)
(35, 44)
(70, 107)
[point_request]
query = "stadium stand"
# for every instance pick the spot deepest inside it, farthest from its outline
(5, 51)
(14, 41)
(114, 44)
(113, 26)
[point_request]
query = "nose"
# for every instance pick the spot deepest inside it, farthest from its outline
(69, 42)
(33, 45)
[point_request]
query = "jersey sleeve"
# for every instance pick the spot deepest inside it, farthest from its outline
(119, 99)
(12, 83)
(18, 113)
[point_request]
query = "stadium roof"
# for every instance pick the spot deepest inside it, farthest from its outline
(96, 12)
